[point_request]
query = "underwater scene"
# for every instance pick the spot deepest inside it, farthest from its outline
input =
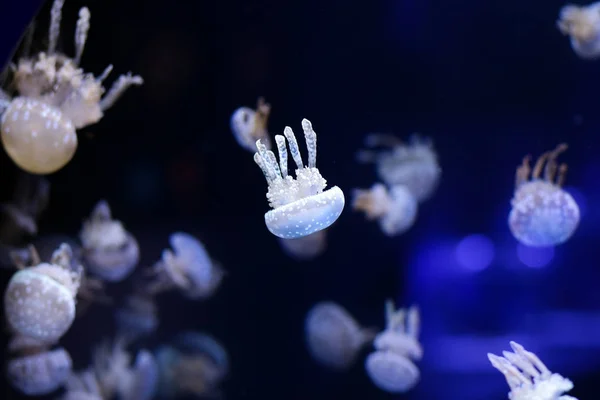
(300, 200)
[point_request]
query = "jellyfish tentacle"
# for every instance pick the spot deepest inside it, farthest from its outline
(283, 156)
(272, 160)
(81, 33)
(54, 30)
(551, 165)
(562, 174)
(539, 164)
(272, 169)
(289, 135)
(523, 171)
(311, 142)
(261, 163)
(413, 325)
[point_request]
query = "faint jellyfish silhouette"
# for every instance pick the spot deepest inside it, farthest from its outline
(82, 386)
(306, 247)
(582, 25)
(249, 125)
(542, 213)
(300, 206)
(333, 337)
(528, 377)
(137, 318)
(391, 366)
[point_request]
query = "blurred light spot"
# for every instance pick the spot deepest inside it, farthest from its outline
(142, 184)
(535, 257)
(475, 252)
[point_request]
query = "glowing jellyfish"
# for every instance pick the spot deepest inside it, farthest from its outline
(249, 125)
(333, 337)
(542, 214)
(413, 164)
(391, 366)
(39, 301)
(300, 206)
(396, 209)
(306, 247)
(39, 373)
(109, 251)
(582, 25)
(528, 377)
(55, 97)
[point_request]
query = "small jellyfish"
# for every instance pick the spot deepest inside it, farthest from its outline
(333, 337)
(528, 377)
(582, 25)
(249, 125)
(542, 213)
(300, 206)
(412, 164)
(109, 251)
(396, 209)
(391, 366)
(137, 318)
(39, 301)
(40, 373)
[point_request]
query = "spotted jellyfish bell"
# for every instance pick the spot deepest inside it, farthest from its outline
(39, 301)
(582, 25)
(333, 337)
(300, 206)
(542, 214)
(391, 366)
(528, 377)
(250, 125)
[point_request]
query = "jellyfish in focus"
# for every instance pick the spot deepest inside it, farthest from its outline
(55, 97)
(300, 206)
(582, 25)
(390, 366)
(542, 213)
(306, 247)
(528, 377)
(413, 164)
(333, 337)
(249, 125)
(395, 209)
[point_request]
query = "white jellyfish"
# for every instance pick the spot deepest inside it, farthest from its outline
(543, 214)
(391, 367)
(306, 247)
(249, 125)
(300, 206)
(395, 209)
(528, 377)
(582, 25)
(333, 337)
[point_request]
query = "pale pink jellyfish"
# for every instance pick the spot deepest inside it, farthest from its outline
(542, 213)
(582, 25)
(528, 377)
(300, 206)
(250, 125)
(306, 247)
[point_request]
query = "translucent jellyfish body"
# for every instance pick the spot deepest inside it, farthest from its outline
(333, 337)
(39, 301)
(542, 213)
(109, 251)
(83, 386)
(528, 377)
(250, 125)
(582, 25)
(54, 98)
(395, 210)
(39, 373)
(413, 164)
(300, 206)
(391, 367)
(137, 318)
(306, 247)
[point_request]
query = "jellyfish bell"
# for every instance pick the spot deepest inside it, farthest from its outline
(582, 25)
(40, 373)
(250, 125)
(391, 373)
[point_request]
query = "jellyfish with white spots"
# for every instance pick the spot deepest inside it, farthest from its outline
(582, 25)
(300, 206)
(528, 377)
(250, 125)
(395, 209)
(391, 366)
(543, 214)
(307, 247)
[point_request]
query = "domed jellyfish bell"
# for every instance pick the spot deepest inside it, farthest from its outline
(582, 25)
(300, 206)
(307, 247)
(250, 125)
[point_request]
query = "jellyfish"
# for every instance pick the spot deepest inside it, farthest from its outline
(249, 125)
(300, 206)
(543, 214)
(395, 210)
(582, 25)
(109, 251)
(333, 337)
(138, 317)
(82, 386)
(54, 98)
(528, 377)
(391, 366)
(413, 164)
(306, 247)
(39, 301)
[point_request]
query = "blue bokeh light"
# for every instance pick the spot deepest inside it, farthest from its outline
(475, 252)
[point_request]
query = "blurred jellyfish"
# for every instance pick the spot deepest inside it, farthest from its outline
(528, 377)
(188, 268)
(39, 301)
(542, 213)
(396, 209)
(248, 125)
(306, 247)
(412, 164)
(82, 386)
(582, 25)
(137, 318)
(333, 337)
(391, 366)
(300, 206)
(109, 251)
